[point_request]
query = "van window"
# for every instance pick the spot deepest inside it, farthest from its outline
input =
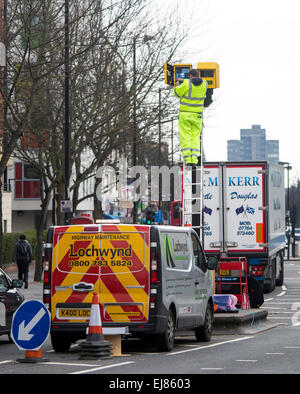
(199, 257)
(176, 250)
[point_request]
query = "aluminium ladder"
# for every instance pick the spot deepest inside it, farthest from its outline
(192, 197)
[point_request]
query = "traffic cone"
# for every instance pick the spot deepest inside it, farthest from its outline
(95, 346)
(33, 356)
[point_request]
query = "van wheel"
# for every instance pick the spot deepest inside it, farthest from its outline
(60, 342)
(165, 341)
(203, 333)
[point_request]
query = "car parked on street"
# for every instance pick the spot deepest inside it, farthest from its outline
(10, 299)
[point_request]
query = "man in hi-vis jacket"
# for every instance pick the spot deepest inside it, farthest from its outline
(192, 94)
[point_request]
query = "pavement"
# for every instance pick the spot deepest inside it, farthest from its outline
(35, 289)
(243, 322)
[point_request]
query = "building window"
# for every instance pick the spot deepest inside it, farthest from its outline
(27, 183)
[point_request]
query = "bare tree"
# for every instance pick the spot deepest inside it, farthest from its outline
(104, 36)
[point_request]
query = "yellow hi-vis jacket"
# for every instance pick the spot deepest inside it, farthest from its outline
(191, 96)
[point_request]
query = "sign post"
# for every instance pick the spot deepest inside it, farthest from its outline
(66, 206)
(30, 328)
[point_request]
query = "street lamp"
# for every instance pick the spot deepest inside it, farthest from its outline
(67, 106)
(146, 38)
(288, 167)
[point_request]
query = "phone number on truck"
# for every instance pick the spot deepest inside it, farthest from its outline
(100, 263)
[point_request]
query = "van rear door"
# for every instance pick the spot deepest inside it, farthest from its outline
(112, 260)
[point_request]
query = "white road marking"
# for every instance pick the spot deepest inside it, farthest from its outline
(208, 346)
(71, 364)
(274, 307)
(247, 361)
(6, 361)
(281, 294)
(279, 312)
(101, 367)
(273, 354)
(291, 347)
(212, 369)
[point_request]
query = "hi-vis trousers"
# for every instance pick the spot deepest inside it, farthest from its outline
(190, 127)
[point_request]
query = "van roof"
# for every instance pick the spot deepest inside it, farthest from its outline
(137, 226)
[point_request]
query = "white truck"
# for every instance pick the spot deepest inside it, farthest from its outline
(244, 216)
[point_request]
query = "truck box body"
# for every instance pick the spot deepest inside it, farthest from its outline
(141, 273)
(244, 214)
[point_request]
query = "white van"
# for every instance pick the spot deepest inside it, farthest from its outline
(185, 291)
(155, 280)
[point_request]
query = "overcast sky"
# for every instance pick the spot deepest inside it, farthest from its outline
(257, 45)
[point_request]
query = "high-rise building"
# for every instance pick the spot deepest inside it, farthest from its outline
(253, 146)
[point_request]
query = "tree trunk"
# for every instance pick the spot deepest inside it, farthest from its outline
(98, 212)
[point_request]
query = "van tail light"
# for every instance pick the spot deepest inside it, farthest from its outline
(152, 301)
(47, 275)
(154, 266)
(154, 261)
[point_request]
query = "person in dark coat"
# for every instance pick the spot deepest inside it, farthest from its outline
(256, 293)
(22, 257)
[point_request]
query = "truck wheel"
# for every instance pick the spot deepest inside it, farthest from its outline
(60, 342)
(280, 277)
(203, 333)
(165, 341)
(268, 288)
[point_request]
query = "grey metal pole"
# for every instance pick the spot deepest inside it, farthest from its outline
(288, 203)
(134, 123)
(159, 145)
(67, 106)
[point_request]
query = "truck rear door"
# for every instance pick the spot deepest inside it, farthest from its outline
(212, 205)
(234, 207)
(112, 260)
(244, 207)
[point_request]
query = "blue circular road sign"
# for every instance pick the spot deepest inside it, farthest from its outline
(30, 325)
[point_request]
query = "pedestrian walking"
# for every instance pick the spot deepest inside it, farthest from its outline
(22, 257)
(191, 93)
